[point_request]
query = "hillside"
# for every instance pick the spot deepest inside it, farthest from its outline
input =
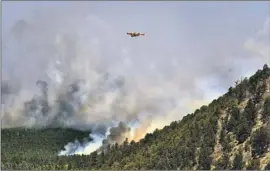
(19, 144)
(232, 132)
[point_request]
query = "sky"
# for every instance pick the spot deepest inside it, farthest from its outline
(177, 24)
(192, 52)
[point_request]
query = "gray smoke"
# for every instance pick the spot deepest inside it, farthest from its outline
(117, 134)
(6, 91)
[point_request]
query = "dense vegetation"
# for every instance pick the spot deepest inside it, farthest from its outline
(20, 146)
(233, 132)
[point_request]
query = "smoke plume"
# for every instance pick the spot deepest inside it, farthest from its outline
(75, 68)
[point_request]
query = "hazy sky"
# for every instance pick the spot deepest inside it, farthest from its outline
(222, 18)
(182, 30)
(191, 49)
(171, 24)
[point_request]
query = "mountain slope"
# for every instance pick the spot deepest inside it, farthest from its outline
(233, 132)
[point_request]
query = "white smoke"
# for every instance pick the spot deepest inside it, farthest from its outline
(114, 134)
(86, 148)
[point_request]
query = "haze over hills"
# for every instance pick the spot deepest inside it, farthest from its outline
(86, 64)
(73, 82)
(232, 132)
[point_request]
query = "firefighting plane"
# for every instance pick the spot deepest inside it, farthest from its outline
(134, 34)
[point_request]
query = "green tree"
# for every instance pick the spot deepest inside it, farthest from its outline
(205, 159)
(260, 142)
(266, 110)
(223, 162)
(238, 162)
(254, 165)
